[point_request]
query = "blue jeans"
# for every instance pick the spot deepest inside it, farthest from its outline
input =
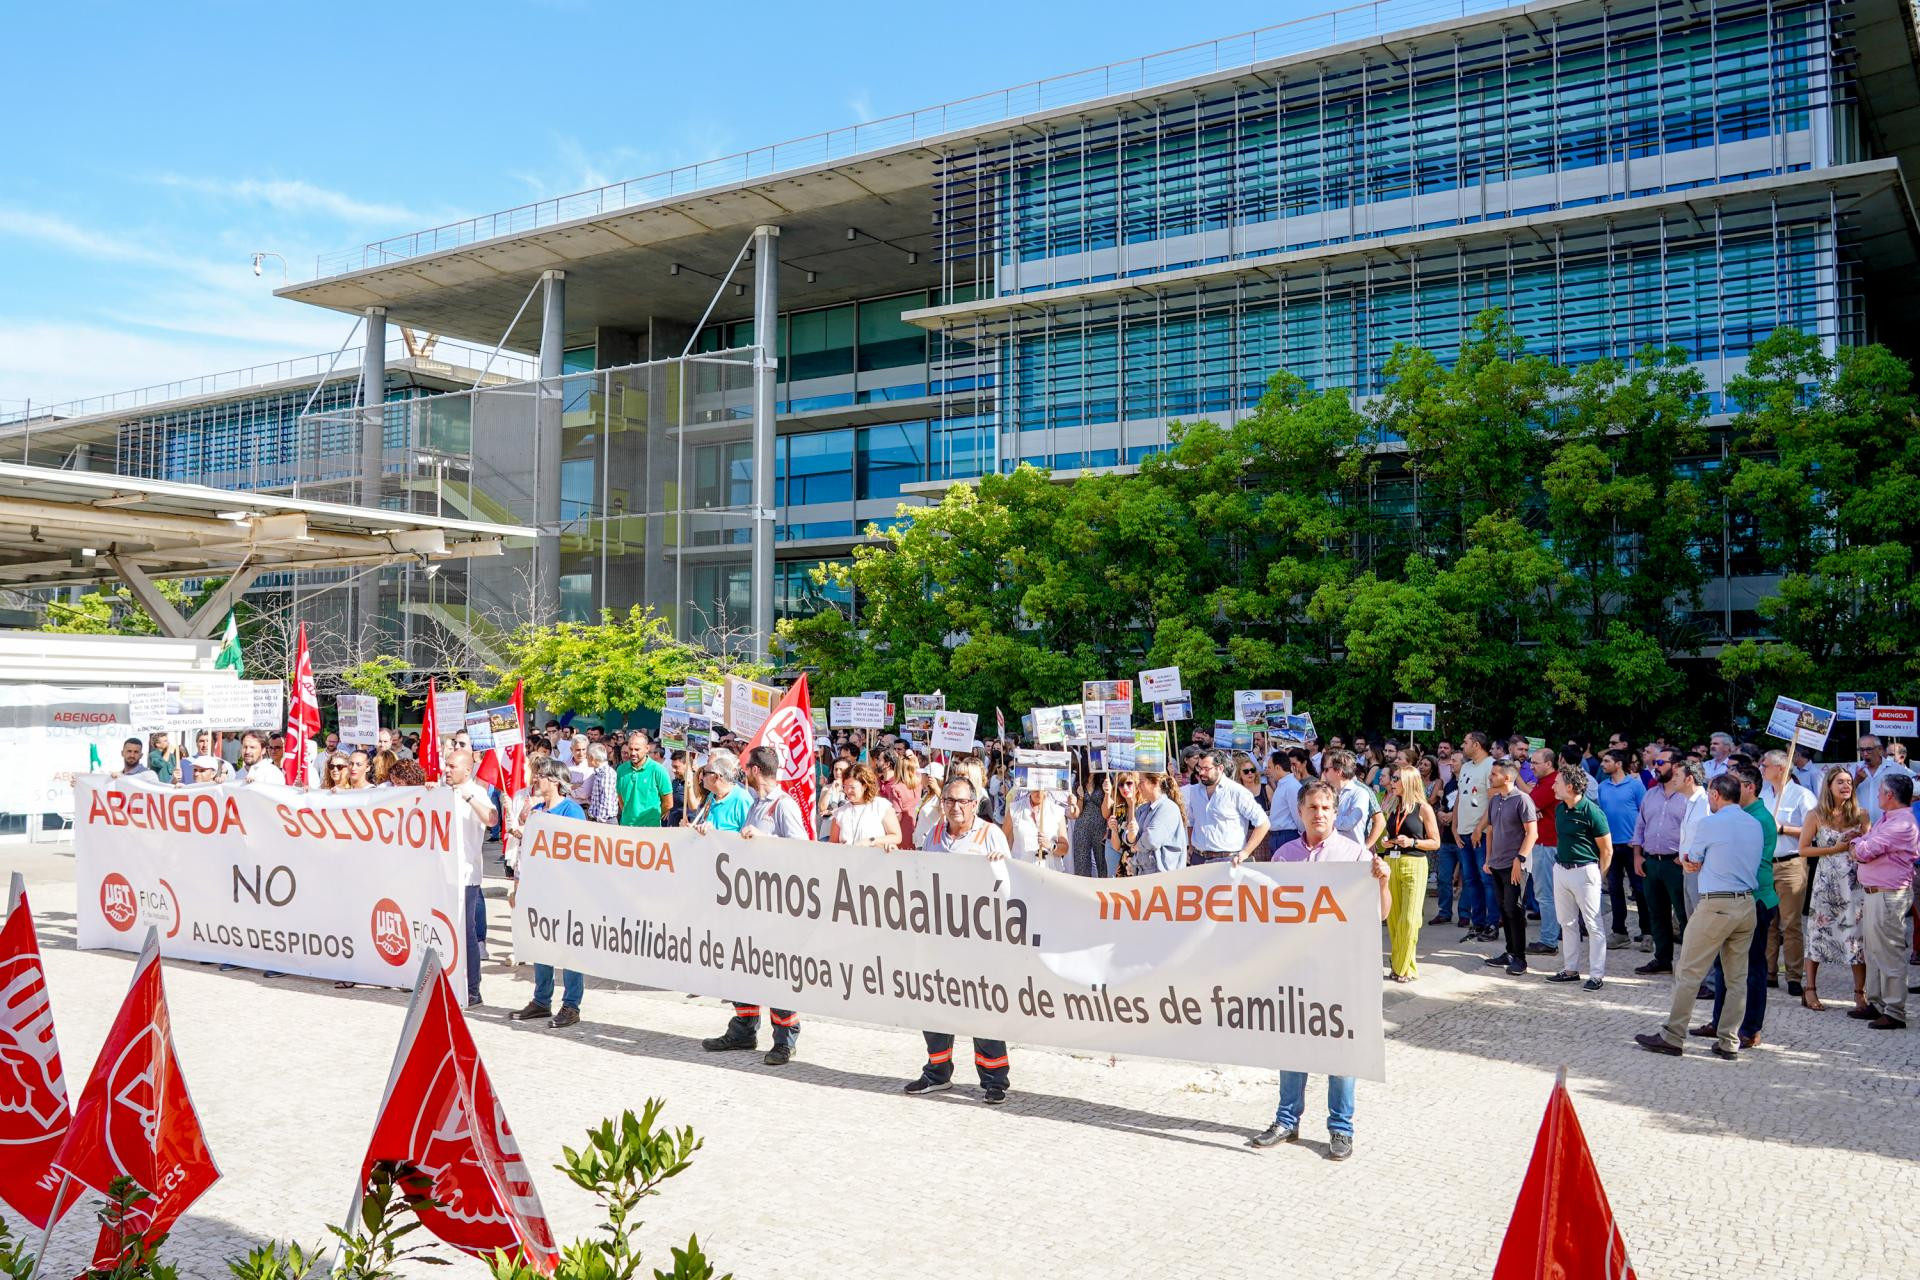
(1540, 877)
(476, 940)
(573, 985)
(1293, 1100)
(1477, 893)
(1448, 859)
(1756, 1015)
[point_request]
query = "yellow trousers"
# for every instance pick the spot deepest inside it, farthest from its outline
(1407, 881)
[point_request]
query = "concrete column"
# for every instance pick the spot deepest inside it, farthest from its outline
(373, 432)
(546, 485)
(766, 316)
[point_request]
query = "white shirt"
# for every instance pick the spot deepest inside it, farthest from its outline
(1868, 792)
(1697, 809)
(1035, 840)
(1470, 796)
(1810, 777)
(266, 771)
(1222, 821)
(1789, 810)
(860, 823)
(1715, 768)
(469, 833)
(984, 838)
(1283, 807)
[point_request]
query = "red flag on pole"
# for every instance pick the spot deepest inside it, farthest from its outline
(506, 768)
(789, 731)
(33, 1089)
(303, 716)
(135, 1119)
(429, 753)
(1562, 1226)
(440, 1115)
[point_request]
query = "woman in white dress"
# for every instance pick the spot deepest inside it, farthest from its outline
(1036, 827)
(866, 817)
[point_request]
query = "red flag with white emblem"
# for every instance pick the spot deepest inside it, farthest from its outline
(303, 716)
(1562, 1225)
(789, 731)
(441, 1116)
(135, 1118)
(33, 1089)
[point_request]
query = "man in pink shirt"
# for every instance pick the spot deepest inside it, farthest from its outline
(1885, 858)
(1319, 842)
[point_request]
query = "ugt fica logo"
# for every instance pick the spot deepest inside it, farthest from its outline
(117, 902)
(392, 936)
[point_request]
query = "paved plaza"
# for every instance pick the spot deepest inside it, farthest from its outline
(1097, 1166)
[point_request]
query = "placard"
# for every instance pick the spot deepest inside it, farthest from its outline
(1160, 684)
(1180, 708)
(504, 726)
(147, 710)
(856, 713)
(673, 730)
(1042, 771)
(449, 708)
(1150, 750)
(954, 731)
(1893, 722)
(269, 704)
(359, 719)
(1046, 726)
(1413, 717)
(913, 702)
(1232, 735)
(1119, 751)
(1854, 706)
(699, 734)
(1801, 723)
(230, 705)
(1255, 707)
(748, 705)
(1073, 722)
(479, 727)
(819, 715)
(1291, 731)
(675, 697)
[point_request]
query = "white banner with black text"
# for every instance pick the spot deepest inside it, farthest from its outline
(344, 885)
(1265, 964)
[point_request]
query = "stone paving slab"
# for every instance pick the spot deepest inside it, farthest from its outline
(1096, 1167)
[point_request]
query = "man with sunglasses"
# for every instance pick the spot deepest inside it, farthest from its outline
(961, 830)
(1876, 766)
(1656, 850)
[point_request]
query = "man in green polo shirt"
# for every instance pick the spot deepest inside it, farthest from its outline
(1766, 905)
(1580, 868)
(642, 783)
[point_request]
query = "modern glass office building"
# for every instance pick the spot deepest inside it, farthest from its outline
(1054, 273)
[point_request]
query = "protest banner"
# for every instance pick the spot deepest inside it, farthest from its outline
(1413, 717)
(1856, 706)
(1800, 723)
(856, 713)
(1263, 964)
(1892, 722)
(269, 704)
(343, 885)
(1160, 684)
(954, 730)
(748, 705)
(359, 719)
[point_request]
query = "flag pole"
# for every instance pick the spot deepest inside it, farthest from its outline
(53, 1219)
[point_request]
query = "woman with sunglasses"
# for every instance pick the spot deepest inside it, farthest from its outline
(727, 802)
(1087, 811)
(1247, 774)
(1122, 798)
(336, 773)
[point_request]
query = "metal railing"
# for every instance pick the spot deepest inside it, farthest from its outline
(454, 354)
(1356, 22)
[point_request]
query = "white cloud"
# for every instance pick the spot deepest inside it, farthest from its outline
(298, 197)
(861, 104)
(57, 361)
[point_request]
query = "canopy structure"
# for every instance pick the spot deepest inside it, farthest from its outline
(71, 528)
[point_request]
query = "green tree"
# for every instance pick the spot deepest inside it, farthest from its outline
(379, 676)
(618, 664)
(115, 612)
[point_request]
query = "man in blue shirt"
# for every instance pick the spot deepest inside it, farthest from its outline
(1619, 793)
(1728, 846)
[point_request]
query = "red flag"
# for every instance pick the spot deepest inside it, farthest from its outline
(789, 731)
(33, 1089)
(135, 1119)
(499, 765)
(303, 716)
(441, 1115)
(1562, 1227)
(429, 753)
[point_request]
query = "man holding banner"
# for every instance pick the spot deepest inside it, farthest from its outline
(961, 830)
(775, 813)
(473, 813)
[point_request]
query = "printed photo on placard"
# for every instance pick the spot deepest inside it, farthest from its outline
(1180, 708)
(928, 702)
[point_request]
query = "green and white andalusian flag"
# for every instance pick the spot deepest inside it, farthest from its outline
(230, 649)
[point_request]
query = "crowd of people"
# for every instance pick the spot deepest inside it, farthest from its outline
(1731, 867)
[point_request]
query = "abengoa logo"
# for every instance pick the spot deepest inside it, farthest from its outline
(1250, 903)
(595, 847)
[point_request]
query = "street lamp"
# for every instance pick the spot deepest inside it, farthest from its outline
(259, 258)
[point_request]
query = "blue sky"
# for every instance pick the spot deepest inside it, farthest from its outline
(154, 147)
